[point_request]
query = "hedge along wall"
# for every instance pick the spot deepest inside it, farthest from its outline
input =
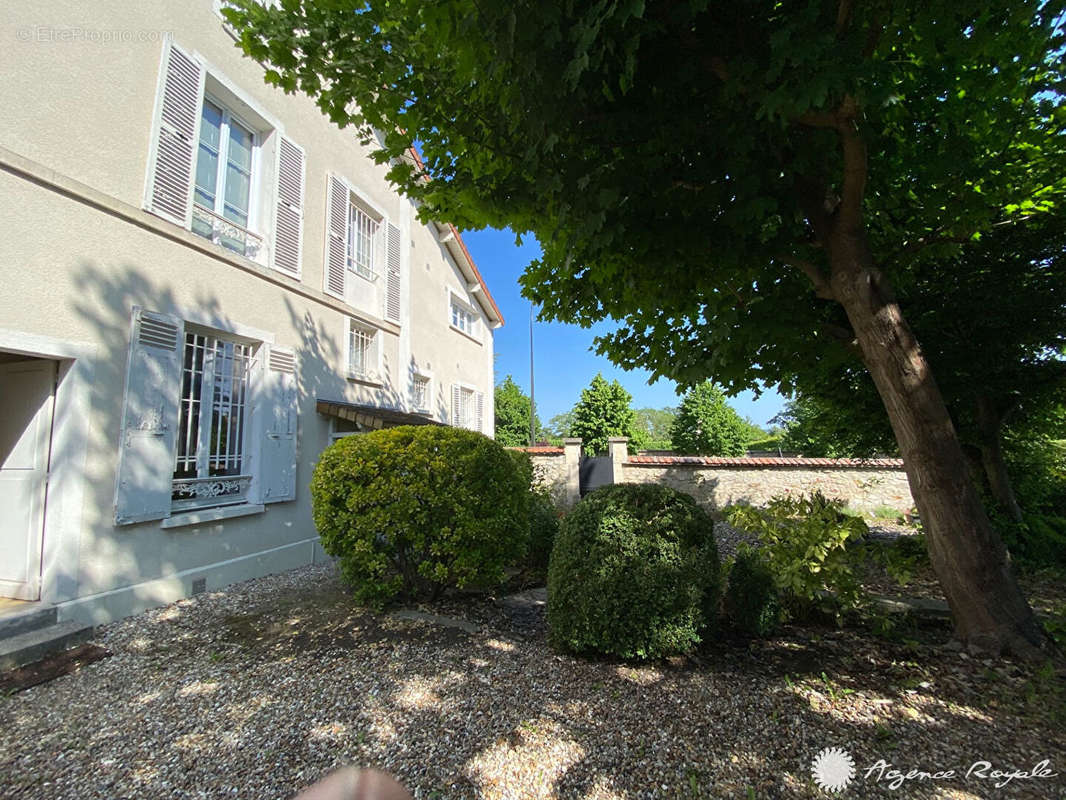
(718, 482)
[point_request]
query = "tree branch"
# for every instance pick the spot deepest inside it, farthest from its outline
(811, 270)
(844, 16)
(855, 169)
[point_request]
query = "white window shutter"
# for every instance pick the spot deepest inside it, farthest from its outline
(176, 135)
(392, 274)
(336, 236)
(480, 412)
(289, 208)
(149, 418)
(457, 405)
(279, 403)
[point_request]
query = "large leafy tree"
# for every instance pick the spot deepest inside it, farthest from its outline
(603, 412)
(993, 318)
(513, 408)
(707, 425)
(736, 182)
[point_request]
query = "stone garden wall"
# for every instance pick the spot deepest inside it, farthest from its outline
(718, 482)
(865, 485)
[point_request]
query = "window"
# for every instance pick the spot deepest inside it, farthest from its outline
(463, 318)
(361, 240)
(210, 148)
(209, 420)
(362, 352)
(420, 393)
(212, 422)
(222, 197)
(363, 237)
(467, 407)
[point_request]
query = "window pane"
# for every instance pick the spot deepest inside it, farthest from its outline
(211, 125)
(238, 190)
(207, 154)
(240, 146)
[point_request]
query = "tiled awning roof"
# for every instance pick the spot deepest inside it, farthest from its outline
(371, 417)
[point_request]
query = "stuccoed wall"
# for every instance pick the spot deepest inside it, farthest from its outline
(880, 483)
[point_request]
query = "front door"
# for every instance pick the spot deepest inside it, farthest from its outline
(26, 397)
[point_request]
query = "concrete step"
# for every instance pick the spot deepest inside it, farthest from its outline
(30, 619)
(25, 648)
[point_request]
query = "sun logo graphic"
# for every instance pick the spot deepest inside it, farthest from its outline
(833, 769)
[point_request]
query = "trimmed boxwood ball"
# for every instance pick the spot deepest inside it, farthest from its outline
(634, 573)
(751, 603)
(415, 510)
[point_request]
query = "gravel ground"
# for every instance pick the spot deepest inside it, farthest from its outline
(257, 691)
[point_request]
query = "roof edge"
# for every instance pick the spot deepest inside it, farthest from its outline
(465, 260)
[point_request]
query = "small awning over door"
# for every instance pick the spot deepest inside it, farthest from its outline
(371, 417)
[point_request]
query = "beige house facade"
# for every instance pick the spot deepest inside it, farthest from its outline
(204, 282)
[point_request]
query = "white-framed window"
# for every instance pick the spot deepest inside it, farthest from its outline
(210, 466)
(209, 420)
(364, 241)
(360, 239)
(226, 179)
(363, 352)
(463, 318)
(421, 392)
(467, 407)
(213, 157)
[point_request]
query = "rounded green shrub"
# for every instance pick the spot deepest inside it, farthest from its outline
(419, 509)
(751, 603)
(634, 573)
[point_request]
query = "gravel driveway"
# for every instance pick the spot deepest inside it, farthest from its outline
(257, 691)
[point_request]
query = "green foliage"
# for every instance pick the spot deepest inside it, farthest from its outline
(707, 425)
(752, 432)
(1038, 541)
(512, 415)
(420, 509)
(559, 426)
(567, 134)
(655, 424)
(770, 443)
(523, 464)
(751, 602)
(810, 547)
(543, 528)
(634, 573)
(845, 422)
(603, 412)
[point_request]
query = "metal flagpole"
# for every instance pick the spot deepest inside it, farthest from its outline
(532, 396)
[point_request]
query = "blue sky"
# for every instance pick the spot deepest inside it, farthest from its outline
(564, 363)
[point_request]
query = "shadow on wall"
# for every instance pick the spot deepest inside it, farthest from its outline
(116, 556)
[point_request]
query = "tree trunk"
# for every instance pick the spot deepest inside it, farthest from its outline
(989, 424)
(989, 611)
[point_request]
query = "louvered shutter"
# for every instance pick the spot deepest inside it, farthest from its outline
(149, 418)
(392, 274)
(457, 405)
(279, 404)
(289, 208)
(177, 130)
(336, 236)
(480, 412)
